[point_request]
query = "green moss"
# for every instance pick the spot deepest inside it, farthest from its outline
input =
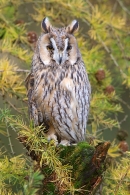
(79, 157)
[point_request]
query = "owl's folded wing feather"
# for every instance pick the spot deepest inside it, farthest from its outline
(33, 111)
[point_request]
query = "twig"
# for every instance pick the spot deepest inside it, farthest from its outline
(101, 130)
(119, 123)
(123, 7)
(12, 106)
(124, 119)
(120, 100)
(13, 128)
(10, 144)
(18, 70)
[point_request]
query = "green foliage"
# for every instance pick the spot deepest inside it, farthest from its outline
(117, 177)
(31, 187)
(13, 171)
(15, 50)
(9, 79)
(35, 140)
(103, 39)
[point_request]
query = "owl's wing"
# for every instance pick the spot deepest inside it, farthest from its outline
(33, 111)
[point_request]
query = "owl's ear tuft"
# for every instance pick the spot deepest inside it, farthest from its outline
(73, 27)
(45, 25)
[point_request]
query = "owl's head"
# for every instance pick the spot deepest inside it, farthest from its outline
(58, 45)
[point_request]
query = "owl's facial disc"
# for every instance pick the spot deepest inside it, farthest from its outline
(59, 49)
(60, 55)
(58, 45)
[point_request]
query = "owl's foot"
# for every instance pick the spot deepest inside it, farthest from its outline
(74, 144)
(52, 137)
(65, 142)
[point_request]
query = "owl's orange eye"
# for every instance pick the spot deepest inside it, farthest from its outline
(49, 47)
(69, 47)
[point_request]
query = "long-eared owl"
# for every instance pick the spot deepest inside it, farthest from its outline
(58, 86)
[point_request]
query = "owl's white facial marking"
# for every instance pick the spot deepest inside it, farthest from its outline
(68, 53)
(65, 53)
(56, 55)
(60, 56)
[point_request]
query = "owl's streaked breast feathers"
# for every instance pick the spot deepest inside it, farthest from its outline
(58, 85)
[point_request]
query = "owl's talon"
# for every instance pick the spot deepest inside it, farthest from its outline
(65, 143)
(53, 137)
(74, 144)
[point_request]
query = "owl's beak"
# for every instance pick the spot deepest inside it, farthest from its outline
(60, 58)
